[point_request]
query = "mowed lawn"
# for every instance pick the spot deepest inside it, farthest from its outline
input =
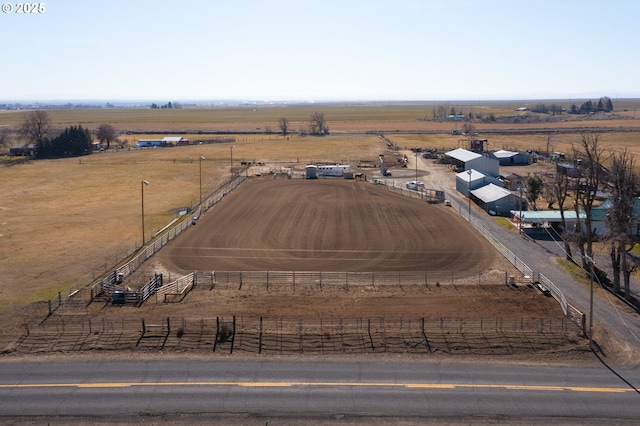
(63, 222)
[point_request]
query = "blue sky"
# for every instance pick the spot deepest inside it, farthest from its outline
(315, 50)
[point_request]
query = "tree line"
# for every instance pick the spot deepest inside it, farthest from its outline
(73, 141)
(593, 171)
(317, 125)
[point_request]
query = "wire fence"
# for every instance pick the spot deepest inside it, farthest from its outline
(298, 281)
(535, 277)
(109, 284)
(318, 281)
(279, 335)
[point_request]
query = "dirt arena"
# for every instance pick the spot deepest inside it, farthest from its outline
(337, 225)
(400, 255)
(326, 225)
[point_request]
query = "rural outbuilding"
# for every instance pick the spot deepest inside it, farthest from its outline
(510, 158)
(512, 181)
(473, 179)
(497, 200)
(23, 150)
(175, 140)
(467, 160)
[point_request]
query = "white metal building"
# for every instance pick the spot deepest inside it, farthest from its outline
(467, 160)
(497, 200)
(510, 158)
(473, 179)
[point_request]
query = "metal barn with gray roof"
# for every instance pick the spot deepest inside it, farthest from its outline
(467, 160)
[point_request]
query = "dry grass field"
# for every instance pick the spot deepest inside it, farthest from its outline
(65, 222)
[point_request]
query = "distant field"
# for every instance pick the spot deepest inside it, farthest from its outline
(64, 221)
(340, 116)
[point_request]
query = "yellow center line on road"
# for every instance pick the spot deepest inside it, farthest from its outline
(441, 386)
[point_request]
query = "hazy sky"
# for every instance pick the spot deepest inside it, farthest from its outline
(317, 50)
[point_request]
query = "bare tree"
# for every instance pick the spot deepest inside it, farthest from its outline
(589, 166)
(468, 128)
(283, 123)
(318, 125)
(4, 137)
(35, 127)
(620, 219)
(107, 134)
(559, 189)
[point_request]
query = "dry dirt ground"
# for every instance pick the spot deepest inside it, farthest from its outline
(439, 286)
(326, 225)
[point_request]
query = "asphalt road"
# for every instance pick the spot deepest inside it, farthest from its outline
(312, 388)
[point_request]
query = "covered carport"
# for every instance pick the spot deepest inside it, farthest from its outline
(538, 222)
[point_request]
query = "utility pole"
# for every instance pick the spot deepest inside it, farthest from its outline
(590, 303)
(142, 184)
(469, 193)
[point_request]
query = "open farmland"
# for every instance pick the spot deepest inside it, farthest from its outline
(64, 222)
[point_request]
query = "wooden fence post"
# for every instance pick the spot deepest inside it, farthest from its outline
(233, 338)
(215, 341)
(260, 338)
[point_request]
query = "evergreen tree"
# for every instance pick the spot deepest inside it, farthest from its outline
(72, 142)
(608, 105)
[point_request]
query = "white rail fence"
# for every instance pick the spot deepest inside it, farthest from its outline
(536, 277)
(107, 285)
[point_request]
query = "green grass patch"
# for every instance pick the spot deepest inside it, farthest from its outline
(505, 223)
(576, 272)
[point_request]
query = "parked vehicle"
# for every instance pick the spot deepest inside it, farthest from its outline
(415, 185)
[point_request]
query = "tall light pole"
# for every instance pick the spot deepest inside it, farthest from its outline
(520, 217)
(469, 193)
(142, 184)
(232, 146)
(201, 158)
(416, 155)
